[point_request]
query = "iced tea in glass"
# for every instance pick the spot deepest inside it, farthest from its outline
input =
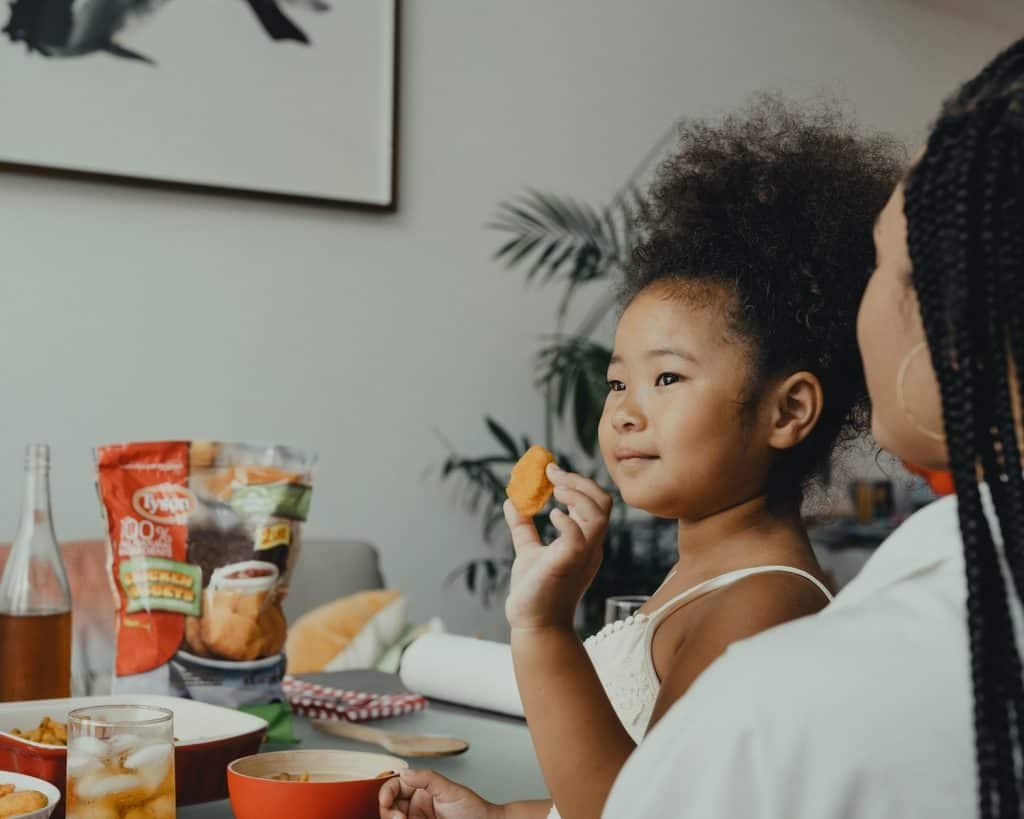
(120, 763)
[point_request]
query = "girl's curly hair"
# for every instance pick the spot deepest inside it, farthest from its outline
(773, 207)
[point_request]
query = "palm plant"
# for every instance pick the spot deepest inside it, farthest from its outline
(560, 241)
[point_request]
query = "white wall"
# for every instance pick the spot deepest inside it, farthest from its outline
(129, 314)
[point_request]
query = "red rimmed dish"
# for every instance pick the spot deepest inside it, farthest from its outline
(208, 738)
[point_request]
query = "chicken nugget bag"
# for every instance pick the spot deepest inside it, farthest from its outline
(203, 537)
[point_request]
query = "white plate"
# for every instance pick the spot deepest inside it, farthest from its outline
(30, 783)
(229, 665)
(195, 723)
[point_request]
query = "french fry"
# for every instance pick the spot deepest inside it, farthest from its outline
(48, 732)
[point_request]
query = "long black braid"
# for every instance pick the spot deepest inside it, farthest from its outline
(965, 217)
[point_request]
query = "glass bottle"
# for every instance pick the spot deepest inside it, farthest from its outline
(35, 600)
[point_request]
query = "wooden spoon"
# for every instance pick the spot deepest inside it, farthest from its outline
(411, 745)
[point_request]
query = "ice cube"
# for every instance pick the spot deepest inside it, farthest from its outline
(90, 746)
(123, 743)
(95, 811)
(151, 763)
(81, 763)
(150, 755)
(98, 785)
(160, 808)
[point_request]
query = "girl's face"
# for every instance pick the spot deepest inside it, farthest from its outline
(674, 434)
(906, 420)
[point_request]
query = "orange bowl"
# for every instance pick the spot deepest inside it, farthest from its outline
(342, 784)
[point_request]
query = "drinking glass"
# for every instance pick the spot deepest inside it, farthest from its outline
(623, 605)
(121, 762)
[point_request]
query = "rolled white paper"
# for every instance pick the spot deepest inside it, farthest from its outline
(464, 671)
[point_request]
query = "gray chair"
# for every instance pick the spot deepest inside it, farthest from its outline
(329, 569)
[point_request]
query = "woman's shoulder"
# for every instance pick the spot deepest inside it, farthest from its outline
(834, 697)
(916, 628)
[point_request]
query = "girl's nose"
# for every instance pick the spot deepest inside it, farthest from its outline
(627, 415)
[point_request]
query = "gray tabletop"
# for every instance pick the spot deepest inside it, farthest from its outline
(500, 763)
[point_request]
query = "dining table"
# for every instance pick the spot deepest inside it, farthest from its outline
(500, 763)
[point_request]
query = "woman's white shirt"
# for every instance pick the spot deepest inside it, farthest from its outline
(861, 712)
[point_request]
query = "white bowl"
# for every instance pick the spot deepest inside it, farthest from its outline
(30, 783)
(222, 578)
(231, 665)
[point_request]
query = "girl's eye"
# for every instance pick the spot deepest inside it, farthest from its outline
(665, 379)
(615, 386)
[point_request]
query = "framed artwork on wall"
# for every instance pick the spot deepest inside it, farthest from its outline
(283, 99)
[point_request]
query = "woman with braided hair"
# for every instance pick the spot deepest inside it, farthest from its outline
(904, 697)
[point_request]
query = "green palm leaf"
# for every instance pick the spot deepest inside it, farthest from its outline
(575, 369)
(563, 238)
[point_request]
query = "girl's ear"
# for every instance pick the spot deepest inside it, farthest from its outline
(795, 405)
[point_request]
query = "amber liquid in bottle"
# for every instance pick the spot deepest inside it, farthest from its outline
(36, 651)
(35, 601)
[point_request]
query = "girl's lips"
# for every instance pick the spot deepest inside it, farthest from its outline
(633, 455)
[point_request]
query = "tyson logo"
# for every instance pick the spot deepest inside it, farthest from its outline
(164, 503)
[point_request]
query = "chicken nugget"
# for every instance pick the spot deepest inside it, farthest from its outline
(528, 485)
(15, 804)
(6, 789)
(274, 629)
(194, 637)
(225, 633)
(250, 604)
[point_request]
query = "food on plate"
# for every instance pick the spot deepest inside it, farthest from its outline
(48, 732)
(16, 803)
(241, 617)
(194, 637)
(528, 485)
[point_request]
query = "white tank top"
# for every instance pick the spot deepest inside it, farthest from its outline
(621, 651)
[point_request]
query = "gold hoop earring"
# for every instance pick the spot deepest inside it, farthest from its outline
(902, 398)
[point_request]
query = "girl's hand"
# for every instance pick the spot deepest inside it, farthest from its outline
(428, 795)
(547, 582)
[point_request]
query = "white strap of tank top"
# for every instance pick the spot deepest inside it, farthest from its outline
(726, 579)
